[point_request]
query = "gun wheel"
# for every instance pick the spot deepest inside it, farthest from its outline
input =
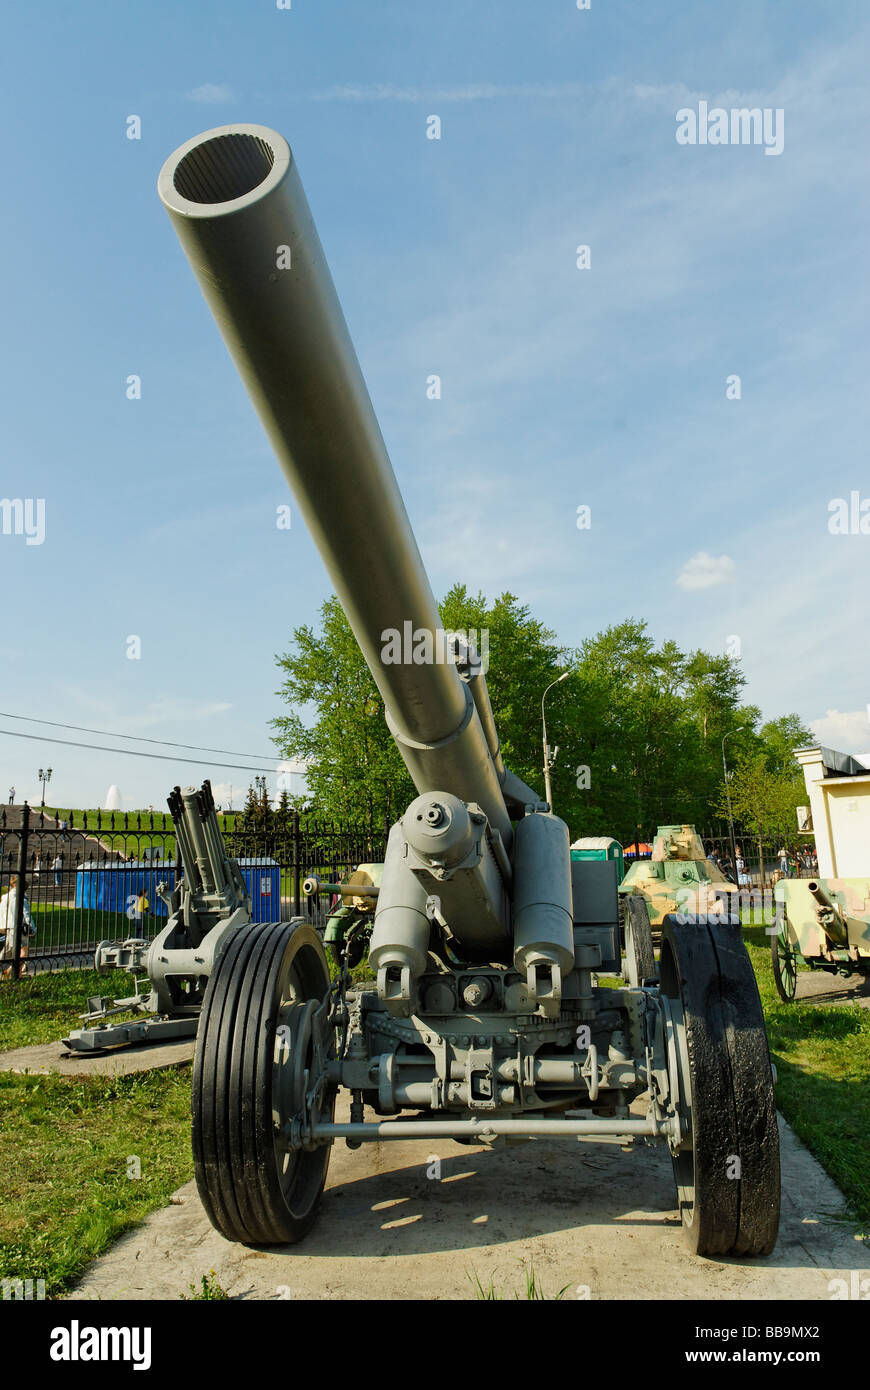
(640, 961)
(726, 1168)
(259, 1053)
(784, 961)
(355, 951)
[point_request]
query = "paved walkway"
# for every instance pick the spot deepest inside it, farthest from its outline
(124, 1061)
(588, 1216)
(818, 987)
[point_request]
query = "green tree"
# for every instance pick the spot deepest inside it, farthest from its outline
(250, 810)
(780, 737)
(282, 821)
(647, 722)
(763, 798)
(355, 771)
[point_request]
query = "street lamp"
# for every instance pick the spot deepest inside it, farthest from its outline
(728, 798)
(548, 760)
(44, 776)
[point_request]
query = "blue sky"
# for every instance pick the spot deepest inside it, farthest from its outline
(561, 387)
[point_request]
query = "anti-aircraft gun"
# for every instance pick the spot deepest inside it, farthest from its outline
(210, 900)
(486, 1020)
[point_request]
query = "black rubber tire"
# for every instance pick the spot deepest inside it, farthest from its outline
(733, 1105)
(252, 1191)
(640, 962)
(784, 962)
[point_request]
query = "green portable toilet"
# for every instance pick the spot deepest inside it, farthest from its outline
(600, 847)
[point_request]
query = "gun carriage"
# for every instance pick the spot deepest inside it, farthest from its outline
(486, 1021)
(823, 924)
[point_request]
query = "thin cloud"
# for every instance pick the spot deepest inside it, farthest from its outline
(210, 94)
(472, 91)
(847, 731)
(705, 571)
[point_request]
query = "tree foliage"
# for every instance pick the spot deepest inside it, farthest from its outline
(639, 725)
(766, 785)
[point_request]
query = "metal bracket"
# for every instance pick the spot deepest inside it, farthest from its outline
(480, 1079)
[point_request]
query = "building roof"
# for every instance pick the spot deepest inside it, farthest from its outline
(835, 764)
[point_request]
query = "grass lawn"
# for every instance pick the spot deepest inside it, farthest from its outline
(42, 1008)
(69, 1152)
(822, 1057)
(150, 829)
(59, 927)
(66, 1143)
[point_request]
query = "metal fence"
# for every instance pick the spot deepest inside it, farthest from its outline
(91, 877)
(790, 856)
(760, 861)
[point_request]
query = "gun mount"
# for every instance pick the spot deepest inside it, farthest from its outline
(210, 901)
(486, 1015)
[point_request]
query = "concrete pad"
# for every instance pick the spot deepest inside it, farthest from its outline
(818, 987)
(47, 1058)
(585, 1215)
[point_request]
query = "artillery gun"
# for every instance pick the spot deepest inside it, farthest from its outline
(348, 928)
(823, 924)
(484, 1023)
(210, 901)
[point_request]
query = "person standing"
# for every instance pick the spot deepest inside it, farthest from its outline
(783, 862)
(8, 910)
(11, 796)
(57, 865)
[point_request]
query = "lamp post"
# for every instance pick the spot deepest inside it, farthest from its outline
(44, 776)
(728, 798)
(548, 760)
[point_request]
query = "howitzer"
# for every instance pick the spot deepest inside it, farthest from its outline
(486, 1014)
(823, 924)
(210, 900)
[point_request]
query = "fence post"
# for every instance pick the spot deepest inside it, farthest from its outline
(19, 897)
(297, 867)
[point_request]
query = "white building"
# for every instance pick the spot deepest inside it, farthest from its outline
(838, 786)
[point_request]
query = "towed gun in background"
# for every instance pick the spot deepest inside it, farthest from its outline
(210, 900)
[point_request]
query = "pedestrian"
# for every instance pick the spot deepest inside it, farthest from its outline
(57, 865)
(8, 910)
(11, 796)
(742, 875)
(783, 862)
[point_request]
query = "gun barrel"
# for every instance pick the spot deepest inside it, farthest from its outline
(313, 885)
(829, 915)
(235, 199)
